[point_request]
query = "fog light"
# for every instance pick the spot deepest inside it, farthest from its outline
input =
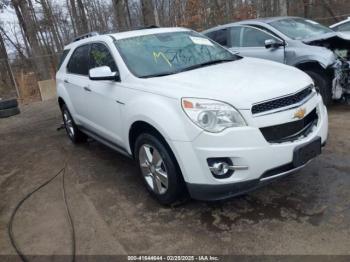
(220, 167)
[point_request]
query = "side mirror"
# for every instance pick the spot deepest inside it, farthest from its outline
(103, 73)
(273, 43)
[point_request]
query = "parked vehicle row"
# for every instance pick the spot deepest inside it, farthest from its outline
(198, 119)
(313, 48)
(342, 26)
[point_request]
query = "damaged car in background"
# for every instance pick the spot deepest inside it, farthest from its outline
(313, 48)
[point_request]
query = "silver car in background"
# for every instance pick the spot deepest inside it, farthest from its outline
(315, 49)
(342, 26)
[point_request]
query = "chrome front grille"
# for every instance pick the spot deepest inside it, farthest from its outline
(291, 131)
(282, 102)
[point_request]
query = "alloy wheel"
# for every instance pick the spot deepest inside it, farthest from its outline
(68, 123)
(153, 169)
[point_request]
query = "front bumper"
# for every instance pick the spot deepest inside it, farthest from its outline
(224, 191)
(245, 146)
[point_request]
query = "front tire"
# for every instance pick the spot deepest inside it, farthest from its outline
(323, 83)
(73, 132)
(159, 169)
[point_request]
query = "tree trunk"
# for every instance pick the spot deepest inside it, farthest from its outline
(29, 28)
(148, 12)
(82, 16)
(71, 15)
(130, 25)
(75, 18)
(119, 15)
(330, 10)
(52, 24)
(7, 77)
(283, 6)
(306, 8)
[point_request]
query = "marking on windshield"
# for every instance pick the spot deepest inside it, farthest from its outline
(161, 54)
(312, 22)
(201, 41)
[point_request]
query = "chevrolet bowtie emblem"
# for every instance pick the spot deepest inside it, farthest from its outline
(300, 113)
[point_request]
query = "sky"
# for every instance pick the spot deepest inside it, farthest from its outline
(8, 15)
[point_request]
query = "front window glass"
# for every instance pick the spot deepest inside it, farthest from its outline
(344, 27)
(298, 28)
(236, 36)
(254, 37)
(170, 53)
(100, 56)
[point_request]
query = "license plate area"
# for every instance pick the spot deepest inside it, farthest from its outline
(304, 153)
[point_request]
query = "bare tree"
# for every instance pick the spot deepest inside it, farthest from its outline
(283, 6)
(120, 15)
(28, 25)
(148, 12)
(6, 78)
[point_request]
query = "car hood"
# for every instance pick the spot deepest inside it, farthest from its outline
(333, 40)
(240, 83)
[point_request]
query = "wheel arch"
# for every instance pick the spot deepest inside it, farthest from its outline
(61, 101)
(315, 66)
(141, 127)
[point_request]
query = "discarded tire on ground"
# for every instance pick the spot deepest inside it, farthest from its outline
(9, 103)
(8, 108)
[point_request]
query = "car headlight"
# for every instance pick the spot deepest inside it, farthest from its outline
(210, 115)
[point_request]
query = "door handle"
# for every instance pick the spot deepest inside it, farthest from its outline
(66, 81)
(87, 89)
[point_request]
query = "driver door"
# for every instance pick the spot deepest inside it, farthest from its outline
(252, 44)
(101, 110)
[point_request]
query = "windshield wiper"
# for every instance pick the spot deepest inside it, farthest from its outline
(159, 75)
(214, 62)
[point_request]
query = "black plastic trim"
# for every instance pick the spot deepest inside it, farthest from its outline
(104, 141)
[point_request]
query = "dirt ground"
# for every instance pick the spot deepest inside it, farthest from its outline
(307, 213)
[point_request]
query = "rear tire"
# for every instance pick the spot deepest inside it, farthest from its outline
(323, 83)
(159, 170)
(9, 103)
(73, 132)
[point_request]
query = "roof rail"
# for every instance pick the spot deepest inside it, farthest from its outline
(146, 27)
(85, 36)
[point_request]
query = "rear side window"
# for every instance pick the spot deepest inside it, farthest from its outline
(79, 61)
(219, 36)
(63, 56)
(101, 56)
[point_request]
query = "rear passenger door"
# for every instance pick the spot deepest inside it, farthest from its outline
(76, 79)
(102, 109)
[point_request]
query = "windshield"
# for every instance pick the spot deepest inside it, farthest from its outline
(170, 53)
(298, 28)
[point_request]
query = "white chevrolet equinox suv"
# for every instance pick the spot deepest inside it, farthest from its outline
(198, 119)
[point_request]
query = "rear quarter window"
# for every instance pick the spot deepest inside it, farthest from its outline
(62, 58)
